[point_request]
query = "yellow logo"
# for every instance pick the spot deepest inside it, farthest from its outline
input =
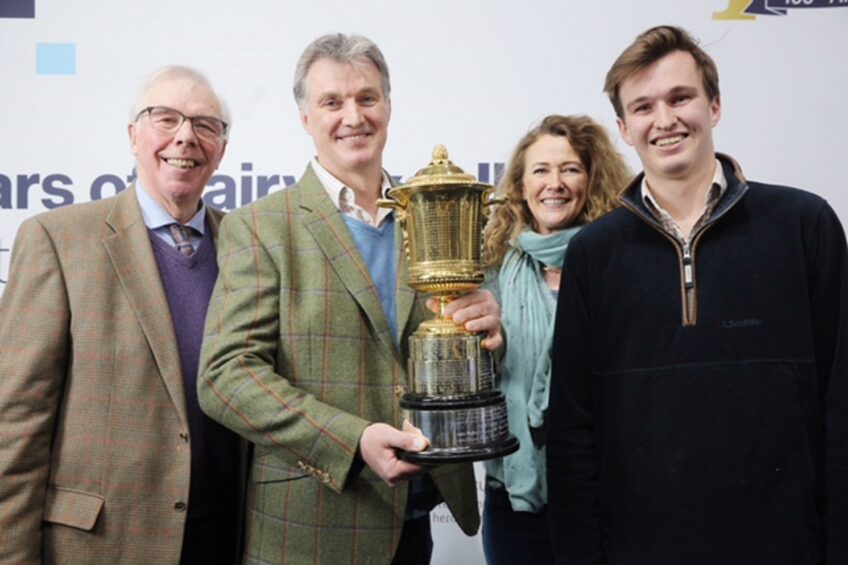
(735, 11)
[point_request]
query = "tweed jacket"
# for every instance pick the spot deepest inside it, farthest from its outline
(298, 358)
(94, 452)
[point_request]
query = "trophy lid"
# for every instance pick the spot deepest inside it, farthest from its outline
(441, 171)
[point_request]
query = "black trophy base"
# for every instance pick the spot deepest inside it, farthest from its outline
(440, 456)
(460, 429)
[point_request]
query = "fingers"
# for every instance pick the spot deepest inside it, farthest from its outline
(477, 312)
(412, 430)
(494, 342)
(402, 472)
(411, 442)
(378, 447)
(433, 304)
(472, 306)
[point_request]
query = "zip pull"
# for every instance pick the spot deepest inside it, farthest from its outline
(688, 281)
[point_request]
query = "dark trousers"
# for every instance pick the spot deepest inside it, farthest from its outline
(211, 540)
(416, 543)
(511, 537)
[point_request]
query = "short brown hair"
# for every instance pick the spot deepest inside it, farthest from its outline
(607, 170)
(649, 47)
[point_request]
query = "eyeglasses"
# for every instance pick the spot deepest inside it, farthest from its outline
(169, 120)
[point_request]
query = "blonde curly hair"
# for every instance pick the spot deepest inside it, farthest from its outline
(607, 170)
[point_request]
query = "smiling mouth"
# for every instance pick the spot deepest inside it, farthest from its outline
(354, 138)
(555, 201)
(182, 163)
(668, 141)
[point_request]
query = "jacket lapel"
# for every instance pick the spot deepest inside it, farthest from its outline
(135, 266)
(324, 222)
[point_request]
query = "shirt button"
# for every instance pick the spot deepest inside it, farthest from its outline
(180, 506)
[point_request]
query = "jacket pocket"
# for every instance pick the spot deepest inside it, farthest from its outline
(73, 508)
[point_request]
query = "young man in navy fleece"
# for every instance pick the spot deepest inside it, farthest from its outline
(699, 408)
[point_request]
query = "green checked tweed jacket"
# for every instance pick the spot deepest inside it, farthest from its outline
(298, 359)
(94, 459)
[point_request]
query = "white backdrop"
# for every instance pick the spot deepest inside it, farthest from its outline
(473, 75)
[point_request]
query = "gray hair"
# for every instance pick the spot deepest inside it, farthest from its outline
(176, 72)
(342, 49)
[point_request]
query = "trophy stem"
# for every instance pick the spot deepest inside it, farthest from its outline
(444, 300)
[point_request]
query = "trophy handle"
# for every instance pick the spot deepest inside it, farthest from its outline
(489, 200)
(395, 205)
(390, 203)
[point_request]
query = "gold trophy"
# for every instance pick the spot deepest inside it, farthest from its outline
(452, 397)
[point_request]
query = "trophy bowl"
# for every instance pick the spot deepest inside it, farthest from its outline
(451, 396)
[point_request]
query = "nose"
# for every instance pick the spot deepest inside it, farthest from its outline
(665, 117)
(557, 179)
(351, 114)
(185, 133)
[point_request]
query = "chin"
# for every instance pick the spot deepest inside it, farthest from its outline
(359, 161)
(186, 192)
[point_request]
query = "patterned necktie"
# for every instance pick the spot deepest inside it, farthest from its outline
(181, 238)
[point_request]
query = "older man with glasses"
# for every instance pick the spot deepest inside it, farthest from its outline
(105, 456)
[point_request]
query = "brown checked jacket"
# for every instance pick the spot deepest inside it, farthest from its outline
(94, 452)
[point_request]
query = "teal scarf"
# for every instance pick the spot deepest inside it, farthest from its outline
(527, 314)
(528, 309)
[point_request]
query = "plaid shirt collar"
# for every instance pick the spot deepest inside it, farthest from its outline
(344, 198)
(714, 194)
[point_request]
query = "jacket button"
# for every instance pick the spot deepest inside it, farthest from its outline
(180, 506)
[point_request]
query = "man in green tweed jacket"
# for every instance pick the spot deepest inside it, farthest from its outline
(306, 339)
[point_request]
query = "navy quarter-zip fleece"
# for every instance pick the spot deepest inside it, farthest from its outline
(702, 417)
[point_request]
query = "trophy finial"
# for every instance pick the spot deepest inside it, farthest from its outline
(439, 172)
(440, 154)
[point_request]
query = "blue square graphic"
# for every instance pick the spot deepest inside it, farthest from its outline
(56, 58)
(17, 8)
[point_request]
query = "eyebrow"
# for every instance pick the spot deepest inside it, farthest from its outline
(336, 94)
(637, 101)
(548, 163)
(683, 88)
(671, 91)
(327, 94)
(369, 90)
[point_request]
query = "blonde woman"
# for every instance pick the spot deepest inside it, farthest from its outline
(563, 174)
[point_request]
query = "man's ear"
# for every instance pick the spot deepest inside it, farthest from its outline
(221, 154)
(132, 132)
(715, 111)
(624, 131)
(304, 120)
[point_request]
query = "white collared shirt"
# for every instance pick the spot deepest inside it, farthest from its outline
(345, 199)
(714, 194)
(157, 219)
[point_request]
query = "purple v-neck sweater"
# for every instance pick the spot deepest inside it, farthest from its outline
(188, 283)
